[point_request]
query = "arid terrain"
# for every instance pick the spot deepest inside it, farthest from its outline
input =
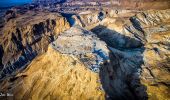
(86, 50)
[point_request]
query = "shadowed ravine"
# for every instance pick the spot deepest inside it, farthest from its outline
(120, 73)
(121, 77)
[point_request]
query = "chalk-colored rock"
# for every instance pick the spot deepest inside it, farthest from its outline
(83, 44)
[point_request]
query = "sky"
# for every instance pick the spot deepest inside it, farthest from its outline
(8, 3)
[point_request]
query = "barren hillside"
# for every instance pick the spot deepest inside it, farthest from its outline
(49, 52)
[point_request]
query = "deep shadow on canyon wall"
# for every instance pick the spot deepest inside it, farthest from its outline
(20, 50)
(120, 78)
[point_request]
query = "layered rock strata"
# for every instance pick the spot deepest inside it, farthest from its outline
(25, 37)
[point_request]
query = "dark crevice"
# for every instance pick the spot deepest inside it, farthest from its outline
(1, 55)
(83, 25)
(69, 18)
(17, 41)
(39, 29)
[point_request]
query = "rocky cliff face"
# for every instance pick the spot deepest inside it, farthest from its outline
(27, 36)
(120, 55)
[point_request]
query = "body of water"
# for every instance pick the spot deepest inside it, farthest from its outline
(10, 3)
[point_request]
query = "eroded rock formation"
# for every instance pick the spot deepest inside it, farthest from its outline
(139, 45)
(55, 76)
(27, 36)
(130, 50)
(84, 45)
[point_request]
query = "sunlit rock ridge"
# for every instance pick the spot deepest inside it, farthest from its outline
(73, 50)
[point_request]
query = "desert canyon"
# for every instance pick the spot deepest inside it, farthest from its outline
(86, 50)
